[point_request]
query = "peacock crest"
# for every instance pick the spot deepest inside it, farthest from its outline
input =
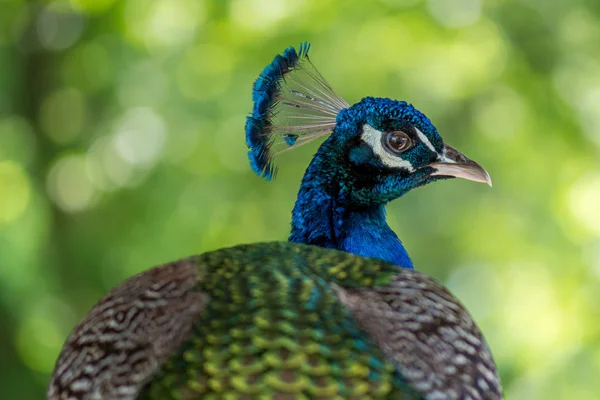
(293, 105)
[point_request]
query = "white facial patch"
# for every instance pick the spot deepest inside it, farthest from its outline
(425, 140)
(372, 137)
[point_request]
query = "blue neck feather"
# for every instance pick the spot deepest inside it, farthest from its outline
(367, 233)
(320, 216)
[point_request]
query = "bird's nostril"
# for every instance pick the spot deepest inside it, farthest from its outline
(454, 155)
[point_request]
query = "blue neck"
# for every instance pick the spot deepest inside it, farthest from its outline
(319, 218)
(366, 233)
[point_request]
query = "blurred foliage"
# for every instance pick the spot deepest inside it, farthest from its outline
(122, 146)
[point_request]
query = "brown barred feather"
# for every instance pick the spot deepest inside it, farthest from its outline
(428, 334)
(128, 335)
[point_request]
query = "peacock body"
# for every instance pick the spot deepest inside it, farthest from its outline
(327, 315)
(276, 321)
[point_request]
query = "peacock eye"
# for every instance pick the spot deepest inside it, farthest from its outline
(397, 142)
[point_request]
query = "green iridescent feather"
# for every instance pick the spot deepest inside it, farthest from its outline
(274, 326)
(276, 321)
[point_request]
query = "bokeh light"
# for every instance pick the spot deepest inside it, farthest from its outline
(584, 201)
(59, 26)
(455, 13)
(69, 185)
(62, 115)
(15, 190)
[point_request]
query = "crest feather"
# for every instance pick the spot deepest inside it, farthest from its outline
(293, 105)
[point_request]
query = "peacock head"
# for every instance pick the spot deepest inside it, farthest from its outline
(377, 149)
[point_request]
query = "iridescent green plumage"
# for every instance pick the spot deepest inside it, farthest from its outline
(274, 325)
(276, 321)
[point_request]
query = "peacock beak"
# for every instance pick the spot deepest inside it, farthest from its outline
(456, 164)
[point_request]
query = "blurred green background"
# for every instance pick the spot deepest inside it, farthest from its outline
(122, 147)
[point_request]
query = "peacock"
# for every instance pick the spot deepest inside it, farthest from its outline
(336, 312)
(377, 150)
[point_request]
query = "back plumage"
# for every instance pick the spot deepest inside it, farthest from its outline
(276, 321)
